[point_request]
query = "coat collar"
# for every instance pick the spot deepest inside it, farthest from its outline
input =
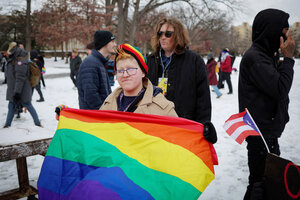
(98, 55)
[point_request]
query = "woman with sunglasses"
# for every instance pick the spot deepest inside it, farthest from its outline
(180, 72)
(136, 93)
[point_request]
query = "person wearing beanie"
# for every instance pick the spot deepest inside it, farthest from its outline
(92, 80)
(136, 92)
(225, 70)
(19, 90)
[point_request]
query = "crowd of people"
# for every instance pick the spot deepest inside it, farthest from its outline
(174, 81)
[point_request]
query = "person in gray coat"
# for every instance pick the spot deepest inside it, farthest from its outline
(19, 90)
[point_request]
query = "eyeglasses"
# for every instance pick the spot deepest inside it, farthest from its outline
(130, 71)
(168, 34)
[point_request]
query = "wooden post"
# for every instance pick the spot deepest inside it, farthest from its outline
(22, 174)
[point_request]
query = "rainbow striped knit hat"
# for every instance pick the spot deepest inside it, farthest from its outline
(136, 53)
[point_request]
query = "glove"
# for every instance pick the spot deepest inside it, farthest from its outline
(209, 132)
(60, 108)
(17, 98)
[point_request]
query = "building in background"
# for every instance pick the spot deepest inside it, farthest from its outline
(241, 37)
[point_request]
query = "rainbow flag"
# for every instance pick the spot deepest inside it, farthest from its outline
(120, 155)
(43, 70)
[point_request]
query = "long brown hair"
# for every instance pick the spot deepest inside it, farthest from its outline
(181, 36)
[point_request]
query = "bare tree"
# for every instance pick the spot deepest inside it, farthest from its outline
(28, 26)
(49, 25)
(122, 19)
(208, 28)
(109, 10)
(140, 10)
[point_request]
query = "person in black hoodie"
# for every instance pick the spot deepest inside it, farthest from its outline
(263, 89)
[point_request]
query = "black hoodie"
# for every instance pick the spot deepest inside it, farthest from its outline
(263, 84)
(267, 29)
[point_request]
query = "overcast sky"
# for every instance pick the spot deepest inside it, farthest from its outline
(249, 8)
(252, 7)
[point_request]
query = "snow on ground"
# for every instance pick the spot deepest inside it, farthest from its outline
(231, 173)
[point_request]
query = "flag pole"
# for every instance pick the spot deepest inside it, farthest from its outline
(258, 130)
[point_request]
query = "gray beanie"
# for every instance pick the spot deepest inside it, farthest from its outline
(101, 38)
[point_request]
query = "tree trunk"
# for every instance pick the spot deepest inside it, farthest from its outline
(62, 51)
(133, 25)
(109, 8)
(55, 56)
(122, 20)
(67, 52)
(145, 49)
(120, 26)
(28, 33)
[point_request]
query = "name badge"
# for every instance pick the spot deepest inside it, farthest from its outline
(163, 83)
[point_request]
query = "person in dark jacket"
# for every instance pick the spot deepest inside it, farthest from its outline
(43, 70)
(263, 89)
(180, 72)
(19, 90)
(211, 73)
(92, 81)
(3, 63)
(75, 62)
(34, 58)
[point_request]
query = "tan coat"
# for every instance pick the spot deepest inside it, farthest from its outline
(157, 105)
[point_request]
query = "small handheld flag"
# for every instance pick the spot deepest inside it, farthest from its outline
(240, 126)
(43, 70)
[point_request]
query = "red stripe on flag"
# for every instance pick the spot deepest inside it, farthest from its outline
(244, 135)
(236, 116)
(233, 127)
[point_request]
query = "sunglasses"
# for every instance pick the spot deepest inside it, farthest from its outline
(168, 34)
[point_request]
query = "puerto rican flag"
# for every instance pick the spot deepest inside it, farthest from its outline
(239, 126)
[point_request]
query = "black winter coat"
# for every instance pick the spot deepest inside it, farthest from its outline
(93, 82)
(263, 84)
(75, 63)
(187, 86)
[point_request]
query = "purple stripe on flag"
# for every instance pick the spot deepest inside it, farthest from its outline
(89, 189)
(65, 176)
(48, 194)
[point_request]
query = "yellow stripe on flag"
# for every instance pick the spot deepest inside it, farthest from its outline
(153, 152)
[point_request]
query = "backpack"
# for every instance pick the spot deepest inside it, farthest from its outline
(35, 74)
